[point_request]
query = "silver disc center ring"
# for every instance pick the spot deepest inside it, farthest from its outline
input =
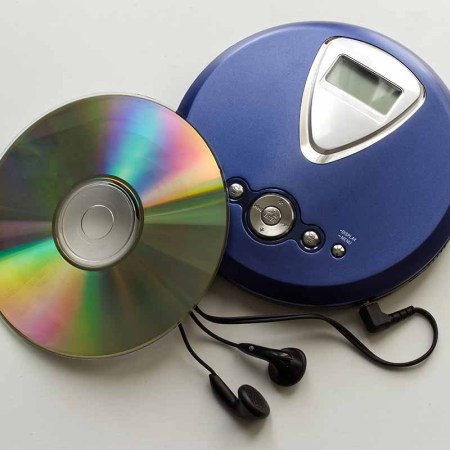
(98, 223)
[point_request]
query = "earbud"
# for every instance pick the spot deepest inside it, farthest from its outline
(286, 366)
(249, 404)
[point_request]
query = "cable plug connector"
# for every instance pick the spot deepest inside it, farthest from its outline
(376, 320)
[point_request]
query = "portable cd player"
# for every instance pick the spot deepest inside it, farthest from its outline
(335, 145)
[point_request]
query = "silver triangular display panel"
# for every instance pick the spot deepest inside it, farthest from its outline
(355, 95)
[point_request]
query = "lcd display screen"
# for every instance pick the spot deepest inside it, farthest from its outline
(363, 84)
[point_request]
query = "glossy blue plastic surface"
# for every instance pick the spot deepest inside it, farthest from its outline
(392, 197)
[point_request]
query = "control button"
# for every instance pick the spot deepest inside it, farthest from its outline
(311, 239)
(271, 216)
(236, 191)
(338, 250)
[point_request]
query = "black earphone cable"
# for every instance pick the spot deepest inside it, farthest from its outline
(192, 351)
(239, 320)
(211, 333)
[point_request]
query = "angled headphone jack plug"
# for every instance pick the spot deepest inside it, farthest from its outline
(376, 320)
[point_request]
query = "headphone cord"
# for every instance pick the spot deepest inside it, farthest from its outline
(192, 351)
(212, 334)
(373, 318)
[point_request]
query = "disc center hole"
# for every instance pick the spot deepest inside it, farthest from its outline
(97, 222)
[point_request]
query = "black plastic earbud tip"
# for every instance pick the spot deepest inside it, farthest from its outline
(291, 374)
(254, 401)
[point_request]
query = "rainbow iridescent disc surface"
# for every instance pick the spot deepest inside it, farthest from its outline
(94, 313)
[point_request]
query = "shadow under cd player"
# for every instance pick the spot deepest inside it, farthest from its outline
(335, 145)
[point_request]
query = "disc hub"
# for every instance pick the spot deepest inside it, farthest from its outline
(97, 223)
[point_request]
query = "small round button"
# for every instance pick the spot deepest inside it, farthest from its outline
(338, 250)
(311, 239)
(271, 216)
(236, 191)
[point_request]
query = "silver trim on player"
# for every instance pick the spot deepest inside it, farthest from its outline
(333, 123)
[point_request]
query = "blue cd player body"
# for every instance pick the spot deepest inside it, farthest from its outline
(335, 145)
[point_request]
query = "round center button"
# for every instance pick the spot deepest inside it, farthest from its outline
(271, 216)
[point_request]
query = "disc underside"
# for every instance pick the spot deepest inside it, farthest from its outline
(93, 313)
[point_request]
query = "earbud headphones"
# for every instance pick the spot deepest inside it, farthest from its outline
(286, 368)
(249, 404)
(288, 365)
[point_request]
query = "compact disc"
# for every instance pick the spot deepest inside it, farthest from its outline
(113, 221)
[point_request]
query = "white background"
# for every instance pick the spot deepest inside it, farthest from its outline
(52, 51)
